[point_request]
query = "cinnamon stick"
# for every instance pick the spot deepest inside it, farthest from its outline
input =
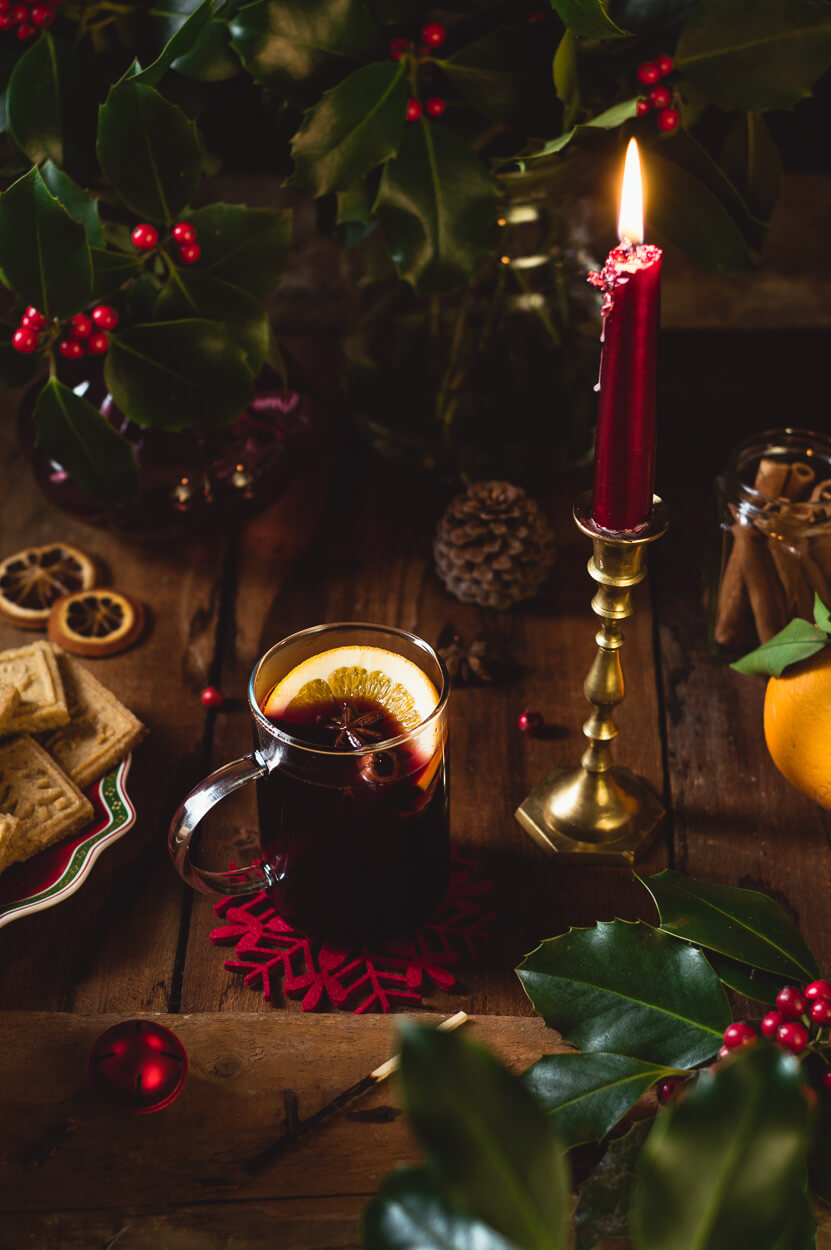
(821, 547)
(799, 599)
(749, 577)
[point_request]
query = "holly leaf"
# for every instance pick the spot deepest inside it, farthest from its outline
(799, 640)
(729, 1155)
(356, 126)
(586, 1095)
(43, 251)
(609, 119)
(51, 102)
(750, 159)
(641, 16)
(77, 202)
(212, 59)
(822, 615)
(247, 247)
(183, 35)
(298, 48)
(565, 78)
(149, 151)
(177, 374)
(743, 924)
(110, 270)
(758, 986)
(485, 1136)
(603, 1207)
(436, 206)
(755, 55)
(505, 74)
(412, 1213)
(589, 18)
(76, 436)
(192, 293)
(628, 989)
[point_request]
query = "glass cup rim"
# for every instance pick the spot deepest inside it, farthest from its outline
(760, 443)
(388, 743)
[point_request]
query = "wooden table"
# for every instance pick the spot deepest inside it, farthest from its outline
(135, 940)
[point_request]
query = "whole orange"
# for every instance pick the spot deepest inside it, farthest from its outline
(798, 726)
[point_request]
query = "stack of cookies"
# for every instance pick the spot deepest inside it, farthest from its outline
(60, 730)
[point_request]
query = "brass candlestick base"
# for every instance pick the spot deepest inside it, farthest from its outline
(601, 812)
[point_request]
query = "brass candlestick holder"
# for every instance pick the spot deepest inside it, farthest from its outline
(600, 811)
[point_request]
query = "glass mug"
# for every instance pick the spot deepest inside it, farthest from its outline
(355, 843)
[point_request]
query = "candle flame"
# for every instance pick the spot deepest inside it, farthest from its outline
(630, 218)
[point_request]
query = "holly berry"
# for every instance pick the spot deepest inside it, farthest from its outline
(667, 1088)
(791, 1002)
(739, 1034)
(668, 119)
(6, 21)
(770, 1023)
(413, 110)
(105, 318)
(189, 253)
(435, 106)
(398, 47)
(71, 349)
(664, 65)
(184, 232)
(792, 1036)
(212, 697)
(659, 97)
(530, 722)
(25, 30)
(80, 326)
(19, 13)
(97, 344)
(43, 14)
(826, 1080)
(643, 106)
(724, 1052)
(433, 34)
(817, 989)
(145, 236)
(821, 1011)
(24, 340)
(648, 73)
(32, 318)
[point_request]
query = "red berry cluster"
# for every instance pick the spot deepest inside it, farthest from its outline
(789, 1025)
(84, 334)
(145, 237)
(433, 35)
(29, 18)
(659, 97)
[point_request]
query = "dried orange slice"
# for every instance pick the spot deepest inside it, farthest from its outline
(33, 579)
(96, 622)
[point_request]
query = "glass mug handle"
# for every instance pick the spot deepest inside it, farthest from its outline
(194, 808)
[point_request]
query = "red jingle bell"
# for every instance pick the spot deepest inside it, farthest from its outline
(138, 1066)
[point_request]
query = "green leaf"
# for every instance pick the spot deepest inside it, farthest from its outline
(628, 989)
(192, 293)
(77, 437)
(750, 159)
(247, 247)
(411, 1213)
(819, 1161)
(505, 74)
(77, 202)
(756, 55)
(110, 270)
(149, 151)
(177, 374)
(485, 1136)
(642, 16)
(589, 18)
(51, 102)
(437, 208)
(183, 36)
(603, 1208)
(798, 641)
(356, 126)
(565, 78)
(687, 212)
(758, 986)
(213, 59)
(728, 1156)
(298, 48)
(822, 615)
(586, 1095)
(43, 250)
(742, 924)
(610, 119)
(800, 1231)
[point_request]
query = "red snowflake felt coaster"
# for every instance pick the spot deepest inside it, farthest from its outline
(269, 951)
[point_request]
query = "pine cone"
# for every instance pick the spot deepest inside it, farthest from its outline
(493, 546)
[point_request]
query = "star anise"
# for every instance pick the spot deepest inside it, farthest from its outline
(353, 729)
(481, 661)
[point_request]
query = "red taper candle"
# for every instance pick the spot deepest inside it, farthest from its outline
(624, 458)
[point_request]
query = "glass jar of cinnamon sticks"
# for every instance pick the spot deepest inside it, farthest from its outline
(775, 513)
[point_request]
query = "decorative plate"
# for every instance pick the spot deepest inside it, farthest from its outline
(56, 872)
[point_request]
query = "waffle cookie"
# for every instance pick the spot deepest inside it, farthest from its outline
(44, 803)
(33, 670)
(9, 699)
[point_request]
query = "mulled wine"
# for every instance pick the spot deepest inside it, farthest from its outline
(355, 830)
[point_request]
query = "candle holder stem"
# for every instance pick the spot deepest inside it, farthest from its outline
(601, 811)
